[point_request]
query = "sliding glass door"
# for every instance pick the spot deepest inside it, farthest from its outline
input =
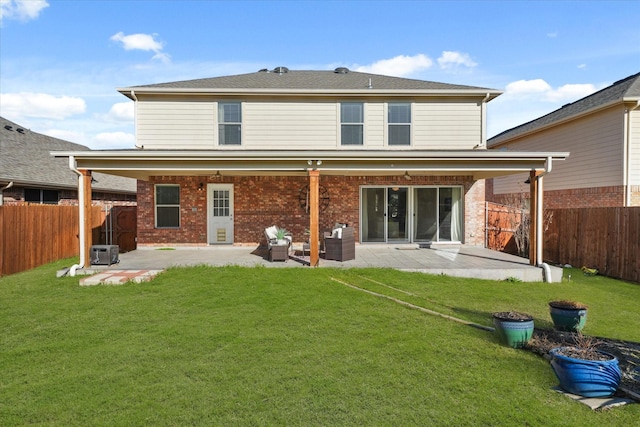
(411, 214)
(425, 214)
(397, 224)
(374, 210)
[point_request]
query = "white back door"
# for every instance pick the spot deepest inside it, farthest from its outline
(220, 213)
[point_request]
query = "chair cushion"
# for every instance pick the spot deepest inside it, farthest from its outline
(271, 232)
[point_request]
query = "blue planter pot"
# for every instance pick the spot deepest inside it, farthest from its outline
(588, 378)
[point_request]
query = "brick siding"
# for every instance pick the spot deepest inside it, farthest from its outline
(260, 201)
(598, 197)
(15, 196)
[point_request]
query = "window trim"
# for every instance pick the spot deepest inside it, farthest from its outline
(223, 123)
(389, 124)
(361, 124)
(156, 205)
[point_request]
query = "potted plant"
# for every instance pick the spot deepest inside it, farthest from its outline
(568, 315)
(514, 329)
(584, 370)
(281, 235)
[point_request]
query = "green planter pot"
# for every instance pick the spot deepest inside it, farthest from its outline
(514, 329)
(567, 318)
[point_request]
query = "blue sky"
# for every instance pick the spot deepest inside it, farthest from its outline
(62, 60)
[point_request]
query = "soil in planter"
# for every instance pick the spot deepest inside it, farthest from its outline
(512, 315)
(583, 353)
(568, 305)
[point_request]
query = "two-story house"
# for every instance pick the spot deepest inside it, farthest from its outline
(220, 159)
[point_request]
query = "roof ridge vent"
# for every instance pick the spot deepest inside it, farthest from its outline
(20, 130)
(7, 127)
(263, 70)
(341, 70)
(281, 70)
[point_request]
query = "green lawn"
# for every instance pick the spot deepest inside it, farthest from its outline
(260, 346)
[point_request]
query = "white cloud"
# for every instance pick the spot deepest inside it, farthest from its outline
(144, 42)
(526, 87)
(552, 35)
(23, 10)
(29, 104)
(450, 59)
(122, 112)
(399, 66)
(541, 90)
(570, 93)
(107, 140)
(526, 100)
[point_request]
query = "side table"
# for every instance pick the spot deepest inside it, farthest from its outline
(279, 253)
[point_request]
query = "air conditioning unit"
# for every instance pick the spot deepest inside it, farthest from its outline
(104, 254)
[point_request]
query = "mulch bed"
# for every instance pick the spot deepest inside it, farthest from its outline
(627, 352)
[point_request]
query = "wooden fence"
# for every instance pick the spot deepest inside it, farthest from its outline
(33, 235)
(604, 238)
(502, 224)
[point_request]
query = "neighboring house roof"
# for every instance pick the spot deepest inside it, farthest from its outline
(284, 80)
(25, 159)
(625, 90)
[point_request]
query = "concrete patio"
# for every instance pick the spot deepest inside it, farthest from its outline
(458, 260)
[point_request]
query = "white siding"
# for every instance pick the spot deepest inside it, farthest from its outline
(183, 124)
(374, 125)
(634, 148)
(191, 123)
(446, 125)
(289, 125)
(596, 153)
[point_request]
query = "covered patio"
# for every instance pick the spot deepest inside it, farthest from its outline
(455, 260)
(473, 164)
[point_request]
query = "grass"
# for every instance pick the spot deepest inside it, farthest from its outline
(260, 346)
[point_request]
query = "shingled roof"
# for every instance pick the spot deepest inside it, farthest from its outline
(627, 89)
(26, 161)
(281, 78)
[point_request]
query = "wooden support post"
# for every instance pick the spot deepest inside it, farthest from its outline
(540, 223)
(533, 218)
(86, 228)
(314, 217)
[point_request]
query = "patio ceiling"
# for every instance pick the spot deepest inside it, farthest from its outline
(142, 164)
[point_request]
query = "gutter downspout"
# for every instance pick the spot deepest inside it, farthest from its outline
(135, 119)
(627, 154)
(81, 263)
(483, 118)
(6, 187)
(548, 166)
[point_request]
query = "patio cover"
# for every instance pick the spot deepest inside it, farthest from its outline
(479, 164)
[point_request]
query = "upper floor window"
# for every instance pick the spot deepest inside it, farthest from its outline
(47, 197)
(167, 206)
(230, 123)
(352, 123)
(399, 120)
